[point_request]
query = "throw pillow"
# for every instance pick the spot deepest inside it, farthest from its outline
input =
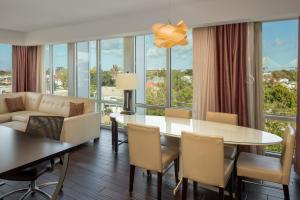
(14, 104)
(76, 109)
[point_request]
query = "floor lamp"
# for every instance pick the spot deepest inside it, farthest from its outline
(128, 83)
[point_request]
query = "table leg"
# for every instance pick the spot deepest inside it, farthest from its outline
(62, 177)
(115, 135)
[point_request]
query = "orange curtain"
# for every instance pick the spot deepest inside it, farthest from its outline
(231, 70)
(24, 68)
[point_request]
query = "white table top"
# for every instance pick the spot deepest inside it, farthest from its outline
(173, 126)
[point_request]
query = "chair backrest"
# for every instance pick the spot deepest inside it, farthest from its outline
(203, 158)
(226, 118)
(179, 113)
(144, 146)
(287, 153)
(47, 126)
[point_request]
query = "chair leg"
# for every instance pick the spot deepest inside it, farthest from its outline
(239, 188)
(159, 183)
(131, 180)
(286, 192)
(195, 185)
(231, 186)
(184, 188)
(221, 193)
(176, 164)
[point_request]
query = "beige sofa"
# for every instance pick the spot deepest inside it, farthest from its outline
(76, 130)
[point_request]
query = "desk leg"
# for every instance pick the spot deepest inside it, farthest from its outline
(62, 177)
(115, 135)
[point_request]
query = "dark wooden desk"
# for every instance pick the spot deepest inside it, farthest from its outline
(19, 151)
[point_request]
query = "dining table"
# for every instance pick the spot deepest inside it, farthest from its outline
(173, 127)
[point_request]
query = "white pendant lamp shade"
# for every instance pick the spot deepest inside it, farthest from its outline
(168, 35)
(126, 81)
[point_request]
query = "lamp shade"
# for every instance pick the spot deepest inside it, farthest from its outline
(126, 81)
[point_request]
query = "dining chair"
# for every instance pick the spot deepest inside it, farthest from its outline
(173, 142)
(230, 151)
(266, 168)
(37, 126)
(203, 161)
(146, 152)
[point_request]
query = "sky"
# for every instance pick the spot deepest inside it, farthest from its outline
(280, 44)
(279, 51)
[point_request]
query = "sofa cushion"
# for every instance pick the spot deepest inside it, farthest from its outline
(24, 115)
(3, 107)
(14, 104)
(32, 101)
(17, 125)
(76, 109)
(5, 118)
(60, 105)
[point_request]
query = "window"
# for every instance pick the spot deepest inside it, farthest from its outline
(48, 69)
(280, 39)
(5, 68)
(86, 69)
(181, 74)
(165, 76)
(60, 69)
(112, 63)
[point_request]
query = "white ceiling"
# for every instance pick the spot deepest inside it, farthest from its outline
(32, 15)
(53, 21)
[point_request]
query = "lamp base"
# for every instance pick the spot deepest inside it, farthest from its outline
(127, 112)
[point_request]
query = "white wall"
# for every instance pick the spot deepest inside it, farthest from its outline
(12, 37)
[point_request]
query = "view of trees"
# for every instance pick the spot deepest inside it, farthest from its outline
(279, 99)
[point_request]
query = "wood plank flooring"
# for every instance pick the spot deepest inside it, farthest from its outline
(95, 172)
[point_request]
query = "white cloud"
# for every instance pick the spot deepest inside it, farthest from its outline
(279, 42)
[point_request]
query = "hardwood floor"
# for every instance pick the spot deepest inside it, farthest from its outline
(95, 172)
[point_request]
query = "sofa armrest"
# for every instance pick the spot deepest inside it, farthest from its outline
(82, 128)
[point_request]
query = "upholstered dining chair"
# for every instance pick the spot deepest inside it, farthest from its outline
(230, 151)
(38, 126)
(145, 151)
(176, 113)
(266, 168)
(203, 161)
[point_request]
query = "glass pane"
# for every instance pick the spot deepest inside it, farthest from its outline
(5, 68)
(47, 69)
(182, 83)
(106, 110)
(276, 127)
(112, 62)
(86, 69)
(156, 71)
(60, 69)
(83, 69)
(140, 68)
(150, 111)
(280, 41)
(93, 68)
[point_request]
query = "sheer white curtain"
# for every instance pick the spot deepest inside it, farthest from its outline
(204, 72)
(40, 72)
(254, 79)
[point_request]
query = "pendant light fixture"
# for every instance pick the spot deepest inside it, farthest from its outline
(168, 35)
